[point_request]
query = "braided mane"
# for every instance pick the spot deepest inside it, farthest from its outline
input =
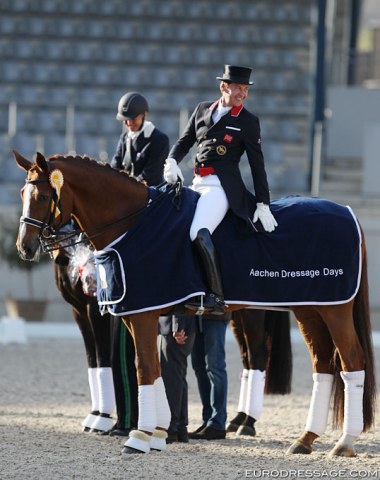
(93, 162)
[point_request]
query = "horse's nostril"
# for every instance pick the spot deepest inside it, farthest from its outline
(25, 252)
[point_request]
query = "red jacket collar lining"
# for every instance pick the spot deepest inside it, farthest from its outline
(236, 110)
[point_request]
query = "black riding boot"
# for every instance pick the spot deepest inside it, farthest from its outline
(213, 302)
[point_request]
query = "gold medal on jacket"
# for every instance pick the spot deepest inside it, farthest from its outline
(221, 150)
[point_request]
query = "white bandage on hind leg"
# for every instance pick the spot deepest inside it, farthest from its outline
(255, 393)
(353, 402)
(106, 390)
(94, 388)
(243, 391)
(162, 405)
(320, 403)
(147, 408)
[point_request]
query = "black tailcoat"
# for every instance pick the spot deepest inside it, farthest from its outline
(221, 146)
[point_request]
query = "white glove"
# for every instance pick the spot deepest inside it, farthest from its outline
(172, 172)
(265, 216)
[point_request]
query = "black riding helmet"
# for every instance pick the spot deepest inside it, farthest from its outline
(130, 105)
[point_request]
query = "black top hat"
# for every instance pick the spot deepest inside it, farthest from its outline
(233, 74)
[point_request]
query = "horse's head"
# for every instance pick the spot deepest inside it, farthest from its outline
(42, 201)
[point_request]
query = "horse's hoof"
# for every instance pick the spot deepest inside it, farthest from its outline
(130, 450)
(299, 448)
(119, 432)
(246, 430)
(232, 427)
(342, 451)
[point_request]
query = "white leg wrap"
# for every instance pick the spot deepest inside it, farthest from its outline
(147, 408)
(320, 403)
(243, 391)
(103, 424)
(255, 393)
(158, 440)
(106, 390)
(162, 405)
(94, 388)
(139, 441)
(353, 402)
(89, 421)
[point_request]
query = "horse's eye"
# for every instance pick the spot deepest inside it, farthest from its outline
(42, 197)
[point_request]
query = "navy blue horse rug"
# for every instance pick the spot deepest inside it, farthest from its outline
(313, 257)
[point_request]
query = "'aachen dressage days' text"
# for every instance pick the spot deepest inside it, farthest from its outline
(326, 272)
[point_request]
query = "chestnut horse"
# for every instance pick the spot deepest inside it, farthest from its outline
(106, 203)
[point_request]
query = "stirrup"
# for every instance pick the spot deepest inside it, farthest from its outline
(198, 309)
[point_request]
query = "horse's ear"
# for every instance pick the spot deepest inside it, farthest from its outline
(41, 162)
(21, 161)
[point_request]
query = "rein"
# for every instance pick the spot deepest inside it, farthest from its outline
(49, 237)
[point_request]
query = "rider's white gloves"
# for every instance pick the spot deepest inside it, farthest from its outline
(172, 172)
(265, 216)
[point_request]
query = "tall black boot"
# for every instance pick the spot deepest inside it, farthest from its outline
(213, 302)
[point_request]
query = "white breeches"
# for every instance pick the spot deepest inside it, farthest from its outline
(212, 205)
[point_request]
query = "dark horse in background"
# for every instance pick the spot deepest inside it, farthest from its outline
(110, 357)
(263, 337)
(338, 336)
(96, 332)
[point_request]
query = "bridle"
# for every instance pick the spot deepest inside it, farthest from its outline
(51, 238)
(47, 231)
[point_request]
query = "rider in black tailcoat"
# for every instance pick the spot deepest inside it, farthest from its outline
(220, 146)
(223, 131)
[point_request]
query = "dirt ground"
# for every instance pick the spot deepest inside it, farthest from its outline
(44, 397)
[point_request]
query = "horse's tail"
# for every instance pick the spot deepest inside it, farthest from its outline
(280, 360)
(362, 323)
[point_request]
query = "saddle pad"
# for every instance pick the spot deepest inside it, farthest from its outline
(313, 257)
(153, 265)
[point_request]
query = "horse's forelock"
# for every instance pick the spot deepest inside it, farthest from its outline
(34, 171)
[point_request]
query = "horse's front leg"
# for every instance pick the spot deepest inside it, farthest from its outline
(321, 349)
(154, 412)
